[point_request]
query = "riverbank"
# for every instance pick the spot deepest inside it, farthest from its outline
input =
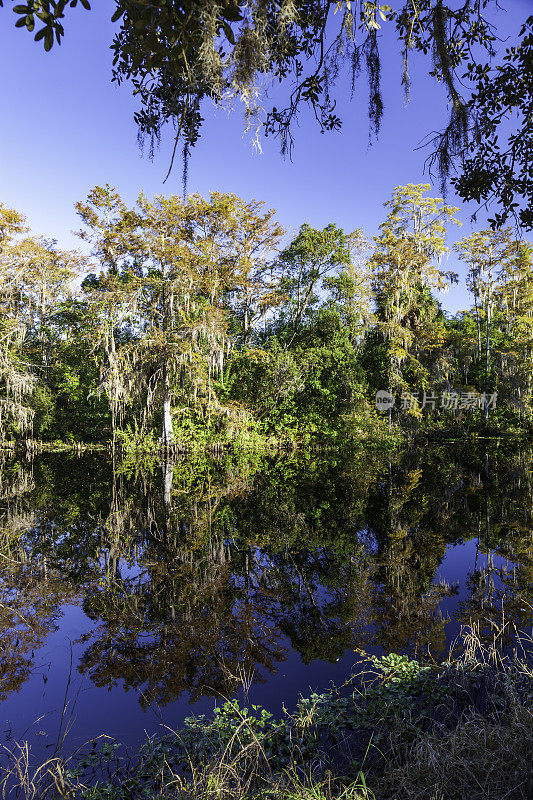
(399, 730)
(202, 445)
(384, 437)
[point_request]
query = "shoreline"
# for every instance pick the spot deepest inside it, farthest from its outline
(406, 730)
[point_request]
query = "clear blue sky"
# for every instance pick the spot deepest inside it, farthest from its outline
(66, 128)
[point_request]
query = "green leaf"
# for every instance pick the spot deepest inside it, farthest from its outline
(232, 13)
(228, 31)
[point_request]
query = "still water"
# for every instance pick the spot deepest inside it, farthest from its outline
(134, 594)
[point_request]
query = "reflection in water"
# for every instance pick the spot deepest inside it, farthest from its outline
(194, 574)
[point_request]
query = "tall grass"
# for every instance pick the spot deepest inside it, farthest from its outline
(407, 731)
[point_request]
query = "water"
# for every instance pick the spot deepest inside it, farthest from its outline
(132, 595)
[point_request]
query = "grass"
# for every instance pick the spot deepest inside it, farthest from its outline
(407, 731)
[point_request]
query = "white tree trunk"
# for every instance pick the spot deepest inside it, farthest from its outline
(167, 434)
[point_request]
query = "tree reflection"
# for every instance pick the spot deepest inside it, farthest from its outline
(194, 572)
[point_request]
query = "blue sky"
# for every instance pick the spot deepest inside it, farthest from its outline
(66, 128)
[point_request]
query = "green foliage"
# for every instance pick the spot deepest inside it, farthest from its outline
(178, 55)
(196, 327)
(307, 755)
(496, 164)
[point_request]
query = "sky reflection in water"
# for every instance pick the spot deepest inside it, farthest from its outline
(275, 567)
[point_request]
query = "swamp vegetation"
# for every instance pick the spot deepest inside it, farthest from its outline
(255, 565)
(244, 584)
(192, 323)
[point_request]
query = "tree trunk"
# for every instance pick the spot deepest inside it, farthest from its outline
(487, 364)
(246, 325)
(113, 425)
(167, 435)
(478, 329)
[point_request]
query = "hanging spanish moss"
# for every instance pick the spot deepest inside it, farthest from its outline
(185, 171)
(196, 327)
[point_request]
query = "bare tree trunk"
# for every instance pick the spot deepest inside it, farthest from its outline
(167, 435)
(44, 354)
(111, 362)
(246, 325)
(113, 426)
(487, 363)
(478, 323)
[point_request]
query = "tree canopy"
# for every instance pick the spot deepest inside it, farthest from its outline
(176, 55)
(196, 323)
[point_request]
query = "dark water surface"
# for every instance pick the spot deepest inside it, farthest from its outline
(135, 595)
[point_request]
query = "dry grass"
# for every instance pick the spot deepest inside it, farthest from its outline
(485, 751)
(19, 779)
(477, 760)
(476, 744)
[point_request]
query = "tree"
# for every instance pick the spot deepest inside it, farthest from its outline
(309, 258)
(176, 272)
(516, 311)
(406, 268)
(16, 381)
(34, 276)
(490, 256)
(351, 290)
(177, 55)
(48, 279)
(496, 154)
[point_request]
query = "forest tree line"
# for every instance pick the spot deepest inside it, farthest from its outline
(194, 320)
